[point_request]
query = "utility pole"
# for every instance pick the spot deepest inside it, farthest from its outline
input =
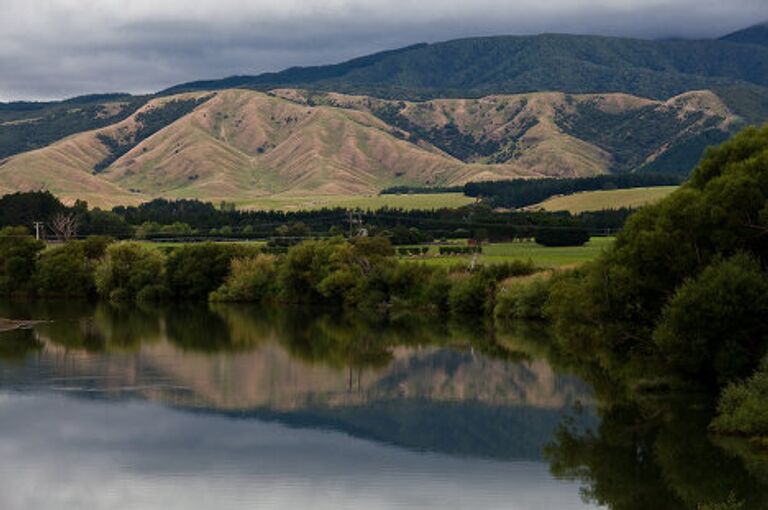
(38, 229)
(356, 224)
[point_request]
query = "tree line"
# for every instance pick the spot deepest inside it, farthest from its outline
(361, 272)
(162, 218)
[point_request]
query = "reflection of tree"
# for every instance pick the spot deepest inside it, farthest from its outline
(15, 346)
(104, 328)
(653, 454)
(336, 341)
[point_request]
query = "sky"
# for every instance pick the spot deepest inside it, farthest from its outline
(53, 49)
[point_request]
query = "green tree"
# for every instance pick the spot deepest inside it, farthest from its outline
(129, 271)
(65, 271)
(18, 257)
(717, 322)
(250, 279)
(193, 271)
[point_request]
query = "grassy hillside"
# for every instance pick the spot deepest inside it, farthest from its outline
(28, 126)
(243, 146)
(555, 134)
(605, 199)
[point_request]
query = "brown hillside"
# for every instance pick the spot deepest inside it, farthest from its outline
(240, 145)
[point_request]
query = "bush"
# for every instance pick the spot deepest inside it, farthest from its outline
(460, 250)
(18, 255)
(250, 279)
(561, 237)
(127, 269)
(522, 299)
(304, 267)
(716, 325)
(469, 294)
(194, 271)
(400, 235)
(66, 271)
(96, 246)
(743, 407)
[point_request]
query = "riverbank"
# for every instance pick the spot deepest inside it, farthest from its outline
(12, 325)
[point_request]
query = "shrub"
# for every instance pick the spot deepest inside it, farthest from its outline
(522, 299)
(96, 246)
(304, 267)
(743, 406)
(194, 271)
(66, 271)
(126, 269)
(469, 294)
(561, 236)
(460, 250)
(716, 324)
(18, 255)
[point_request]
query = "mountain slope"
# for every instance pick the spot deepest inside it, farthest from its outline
(68, 167)
(734, 67)
(757, 34)
(243, 144)
(551, 133)
(510, 65)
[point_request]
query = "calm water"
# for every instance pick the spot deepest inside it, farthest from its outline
(241, 407)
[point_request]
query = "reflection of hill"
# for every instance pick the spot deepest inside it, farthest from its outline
(396, 384)
(269, 377)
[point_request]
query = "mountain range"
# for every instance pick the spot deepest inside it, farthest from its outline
(426, 115)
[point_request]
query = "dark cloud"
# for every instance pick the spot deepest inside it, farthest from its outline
(59, 48)
(67, 454)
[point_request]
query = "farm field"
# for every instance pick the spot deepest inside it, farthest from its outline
(605, 199)
(505, 252)
(312, 202)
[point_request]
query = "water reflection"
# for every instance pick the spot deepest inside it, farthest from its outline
(110, 407)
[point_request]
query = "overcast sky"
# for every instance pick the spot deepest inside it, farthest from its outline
(60, 48)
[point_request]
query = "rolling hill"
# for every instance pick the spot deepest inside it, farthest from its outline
(243, 144)
(437, 114)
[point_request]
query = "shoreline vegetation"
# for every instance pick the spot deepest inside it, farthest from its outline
(679, 300)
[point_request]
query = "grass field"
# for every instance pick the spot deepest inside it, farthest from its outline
(541, 255)
(415, 201)
(605, 199)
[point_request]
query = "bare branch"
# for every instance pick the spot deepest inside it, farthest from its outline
(65, 226)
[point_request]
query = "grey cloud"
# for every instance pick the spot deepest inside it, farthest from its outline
(66, 454)
(61, 48)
